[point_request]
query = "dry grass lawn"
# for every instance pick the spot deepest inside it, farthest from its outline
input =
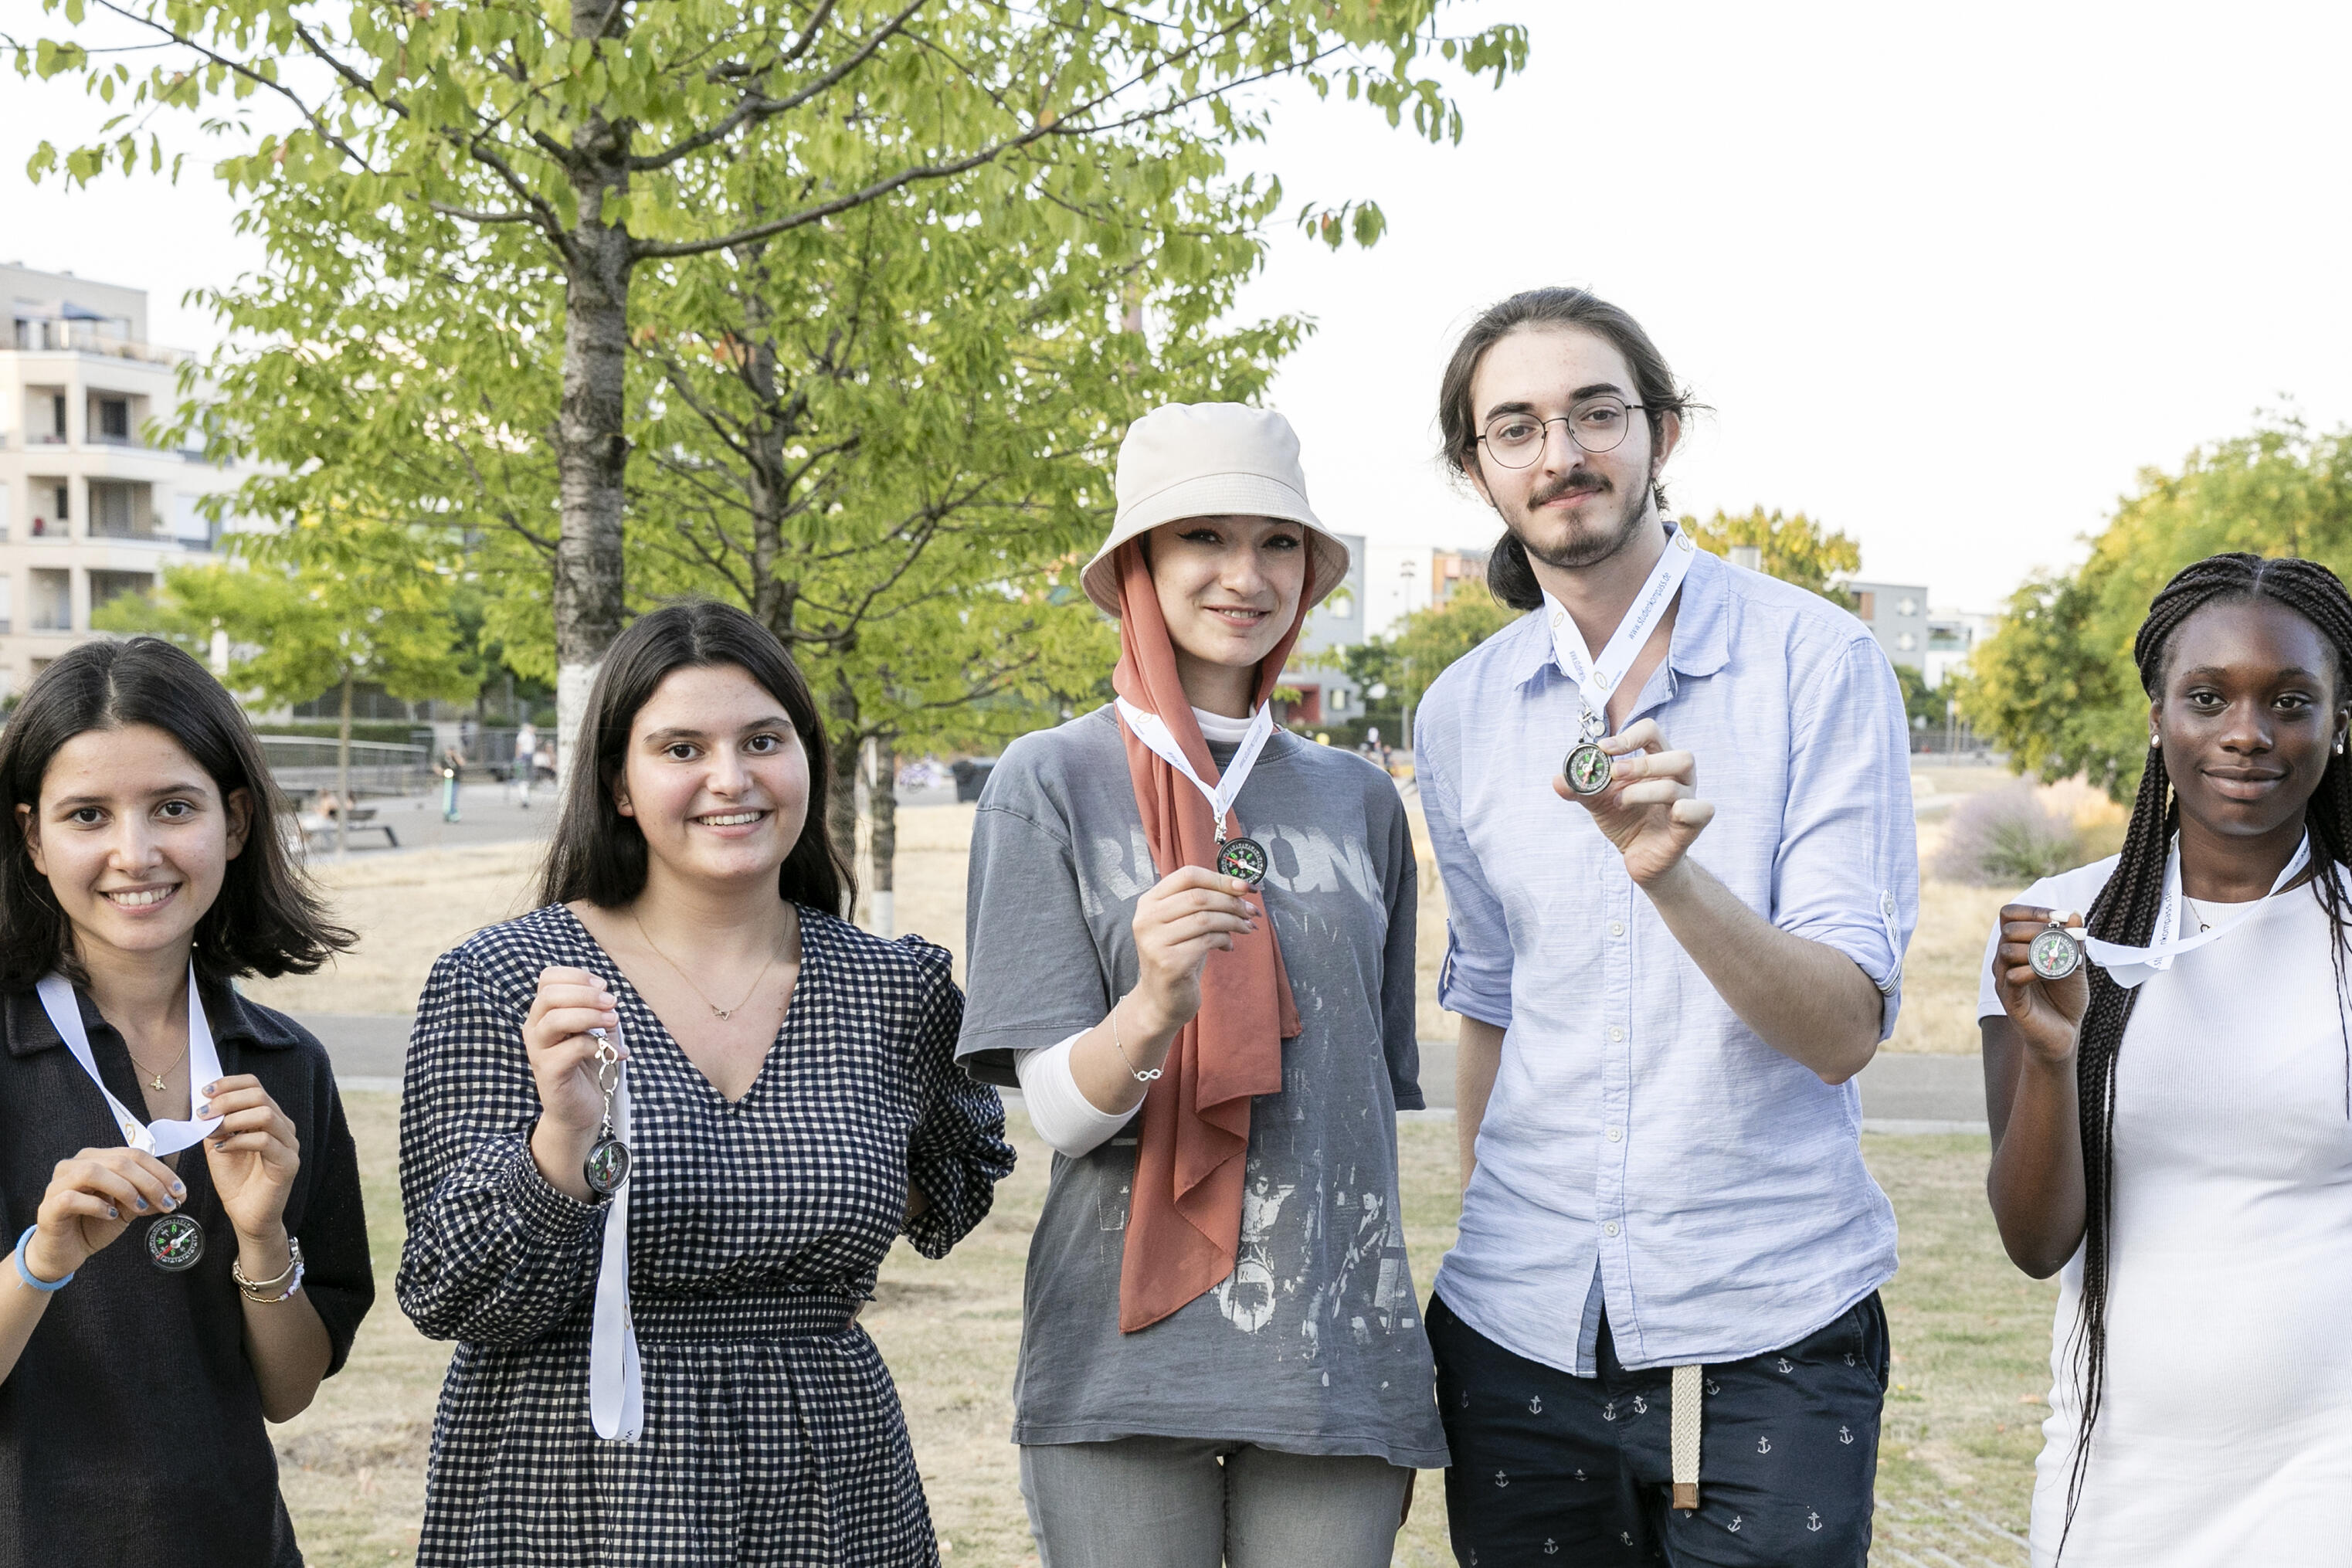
(1971, 1341)
(1971, 1336)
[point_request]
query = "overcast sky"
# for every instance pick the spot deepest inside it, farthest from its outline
(1950, 277)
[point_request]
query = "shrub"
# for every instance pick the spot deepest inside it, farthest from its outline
(2008, 837)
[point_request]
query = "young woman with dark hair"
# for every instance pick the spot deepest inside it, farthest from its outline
(659, 1136)
(2172, 1108)
(160, 1309)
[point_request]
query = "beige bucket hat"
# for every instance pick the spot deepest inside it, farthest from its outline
(1211, 460)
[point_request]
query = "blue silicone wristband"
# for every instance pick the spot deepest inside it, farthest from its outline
(26, 1274)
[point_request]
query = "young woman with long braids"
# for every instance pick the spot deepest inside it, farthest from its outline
(2172, 1118)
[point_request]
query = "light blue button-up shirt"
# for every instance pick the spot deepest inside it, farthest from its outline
(1639, 1134)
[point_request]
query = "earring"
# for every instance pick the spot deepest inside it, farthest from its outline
(2339, 745)
(2155, 739)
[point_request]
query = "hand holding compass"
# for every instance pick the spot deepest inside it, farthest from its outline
(2040, 976)
(1647, 803)
(563, 1066)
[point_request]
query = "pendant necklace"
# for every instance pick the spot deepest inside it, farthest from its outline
(2129, 966)
(1238, 856)
(154, 1078)
(716, 1011)
(608, 1166)
(174, 1241)
(1589, 768)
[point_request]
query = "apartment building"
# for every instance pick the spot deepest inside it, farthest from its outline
(90, 505)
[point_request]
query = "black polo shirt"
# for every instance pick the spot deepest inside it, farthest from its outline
(130, 1430)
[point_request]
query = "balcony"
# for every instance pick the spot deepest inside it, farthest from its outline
(92, 338)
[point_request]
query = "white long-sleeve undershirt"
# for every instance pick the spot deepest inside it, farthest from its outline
(1058, 1109)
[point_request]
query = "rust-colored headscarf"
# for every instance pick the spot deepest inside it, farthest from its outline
(1184, 1213)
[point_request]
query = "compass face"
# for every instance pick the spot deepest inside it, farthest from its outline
(174, 1242)
(1243, 857)
(2055, 954)
(1588, 770)
(607, 1167)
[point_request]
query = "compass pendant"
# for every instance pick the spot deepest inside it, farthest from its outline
(2055, 953)
(1244, 858)
(174, 1242)
(1588, 769)
(608, 1166)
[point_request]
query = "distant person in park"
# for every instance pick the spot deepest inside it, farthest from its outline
(657, 1137)
(1659, 1336)
(526, 746)
(2172, 1110)
(1191, 941)
(453, 764)
(163, 1304)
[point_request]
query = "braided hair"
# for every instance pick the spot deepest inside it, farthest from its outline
(2125, 908)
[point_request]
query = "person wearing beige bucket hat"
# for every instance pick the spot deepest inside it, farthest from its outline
(1191, 943)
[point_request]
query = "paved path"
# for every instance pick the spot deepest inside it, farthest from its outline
(1900, 1093)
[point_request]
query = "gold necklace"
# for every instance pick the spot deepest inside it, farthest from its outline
(154, 1078)
(716, 1009)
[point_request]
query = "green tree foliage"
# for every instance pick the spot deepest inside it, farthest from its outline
(338, 619)
(467, 197)
(1407, 660)
(1794, 548)
(2055, 685)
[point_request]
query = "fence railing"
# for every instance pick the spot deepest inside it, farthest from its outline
(305, 764)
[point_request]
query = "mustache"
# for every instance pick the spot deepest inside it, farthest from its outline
(1577, 481)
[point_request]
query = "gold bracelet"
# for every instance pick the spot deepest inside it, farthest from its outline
(1152, 1077)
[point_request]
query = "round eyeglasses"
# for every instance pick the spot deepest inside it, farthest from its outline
(1598, 425)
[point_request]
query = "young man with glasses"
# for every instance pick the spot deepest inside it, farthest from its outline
(1659, 1336)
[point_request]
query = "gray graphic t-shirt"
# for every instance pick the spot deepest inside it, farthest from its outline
(1314, 1344)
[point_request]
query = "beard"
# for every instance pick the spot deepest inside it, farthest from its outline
(1593, 539)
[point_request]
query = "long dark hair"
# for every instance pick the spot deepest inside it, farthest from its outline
(2125, 908)
(267, 919)
(1509, 576)
(598, 855)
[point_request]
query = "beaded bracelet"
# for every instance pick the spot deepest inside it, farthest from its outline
(286, 1285)
(27, 1276)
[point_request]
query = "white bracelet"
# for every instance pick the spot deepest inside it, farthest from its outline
(1150, 1076)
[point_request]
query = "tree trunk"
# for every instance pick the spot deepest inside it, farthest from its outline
(592, 453)
(844, 740)
(884, 805)
(343, 774)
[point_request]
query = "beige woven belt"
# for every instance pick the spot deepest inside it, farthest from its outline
(1682, 1435)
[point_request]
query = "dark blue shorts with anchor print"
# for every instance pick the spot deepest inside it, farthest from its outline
(1548, 1468)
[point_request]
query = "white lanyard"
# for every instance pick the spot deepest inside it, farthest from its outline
(157, 1138)
(1153, 732)
(616, 1389)
(2129, 966)
(1597, 678)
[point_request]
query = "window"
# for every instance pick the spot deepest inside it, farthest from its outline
(1865, 604)
(105, 585)
(114, 419)
(52, 596)
(119, 511)
(1906, 607)
(1907, 643)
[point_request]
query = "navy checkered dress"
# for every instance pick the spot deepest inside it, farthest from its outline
(772, 1433)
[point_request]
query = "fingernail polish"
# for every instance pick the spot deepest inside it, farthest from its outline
(212, 1088)
(179, 1189)
(111, 1212)
(204, 1111)
(169, 1205)
(141, 1204)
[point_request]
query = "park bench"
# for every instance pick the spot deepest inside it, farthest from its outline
(319, 829)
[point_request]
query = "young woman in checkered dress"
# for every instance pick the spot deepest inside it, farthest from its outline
(792, 1107)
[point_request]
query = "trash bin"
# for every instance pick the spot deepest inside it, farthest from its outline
(971, 773)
